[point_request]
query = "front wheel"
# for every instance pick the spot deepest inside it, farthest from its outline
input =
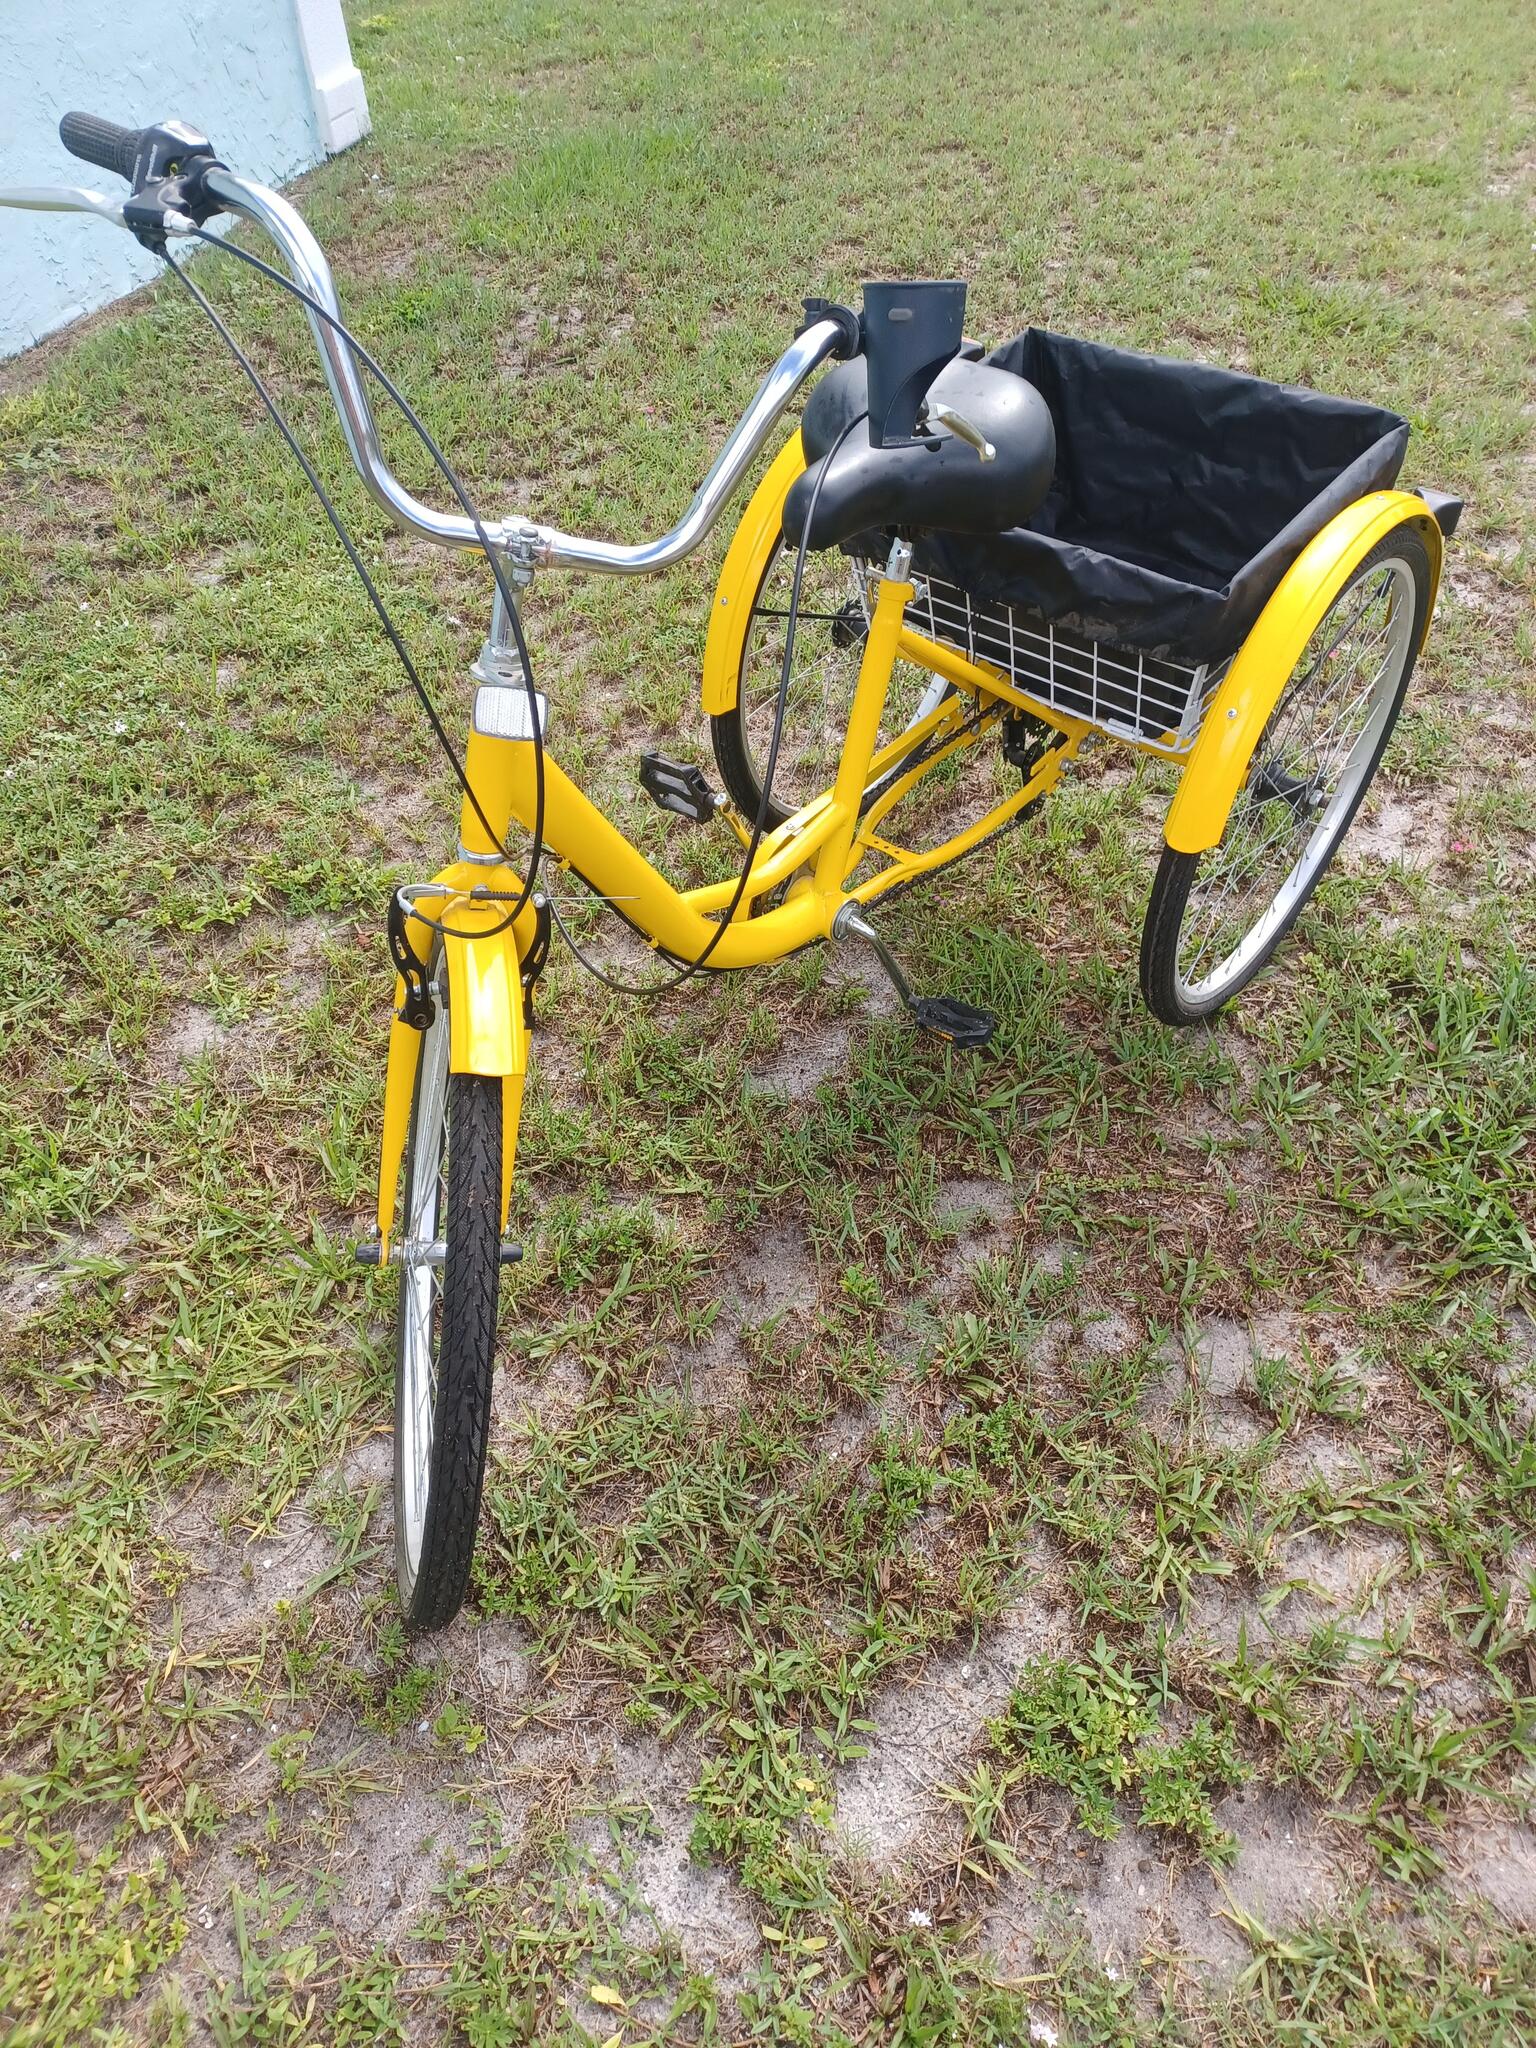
(450, 1264)
(1215, 918)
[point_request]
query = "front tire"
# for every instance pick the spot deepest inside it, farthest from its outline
(1215, 919)
(450, 1247)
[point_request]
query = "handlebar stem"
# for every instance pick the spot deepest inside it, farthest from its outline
(523, 540)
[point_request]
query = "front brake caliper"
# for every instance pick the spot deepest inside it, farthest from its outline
(418, 1009)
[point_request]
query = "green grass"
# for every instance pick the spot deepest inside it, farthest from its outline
(790, 1423)
(1092, 1729)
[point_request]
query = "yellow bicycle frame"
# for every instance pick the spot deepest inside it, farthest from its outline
(812, 856)
(809, 860)
(817, 850)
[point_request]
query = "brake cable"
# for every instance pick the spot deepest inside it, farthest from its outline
(524, 895)
(520, 898)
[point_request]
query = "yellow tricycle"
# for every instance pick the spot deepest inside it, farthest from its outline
(960, 567)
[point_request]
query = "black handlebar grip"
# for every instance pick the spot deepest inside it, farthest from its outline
(101, 142)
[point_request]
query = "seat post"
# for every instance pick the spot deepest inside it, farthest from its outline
(863, 731)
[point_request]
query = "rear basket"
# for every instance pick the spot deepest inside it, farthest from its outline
(1181, 495)
(1147, 698)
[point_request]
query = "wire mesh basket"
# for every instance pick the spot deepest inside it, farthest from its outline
(1156, 702)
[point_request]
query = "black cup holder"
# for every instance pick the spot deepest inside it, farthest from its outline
(910, 332)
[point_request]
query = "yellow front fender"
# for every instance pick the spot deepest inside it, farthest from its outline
(486, 1029)
(741, 573)
(486, 1034)
(1264, 663)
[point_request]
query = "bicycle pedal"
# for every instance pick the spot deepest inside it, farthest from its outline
(961, 1025)
(679, 787)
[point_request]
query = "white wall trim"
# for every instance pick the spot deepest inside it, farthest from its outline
(341, 102)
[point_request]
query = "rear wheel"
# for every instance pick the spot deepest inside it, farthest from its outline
(1216, 918)
(450, 1263)
(829, 646)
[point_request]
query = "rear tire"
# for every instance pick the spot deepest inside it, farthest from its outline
(1215, 919)
(446, 1337)
(828, 646)
(824, 670)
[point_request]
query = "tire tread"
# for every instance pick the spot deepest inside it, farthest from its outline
(466, 1352)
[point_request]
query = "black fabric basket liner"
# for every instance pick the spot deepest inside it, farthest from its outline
(1182, 494)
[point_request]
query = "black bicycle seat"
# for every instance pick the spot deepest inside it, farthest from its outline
(943, 489)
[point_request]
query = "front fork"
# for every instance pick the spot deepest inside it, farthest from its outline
(485, 961)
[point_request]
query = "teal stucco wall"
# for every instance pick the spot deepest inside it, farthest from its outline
(233, 68)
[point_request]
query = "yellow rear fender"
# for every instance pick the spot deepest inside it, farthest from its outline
(751, 550)
(487, 1033)
(1266, 660)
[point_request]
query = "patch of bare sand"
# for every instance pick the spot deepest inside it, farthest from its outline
(399, 1845)
(926, 1728)
(803, 1062)
(977, 1216)
(1108, 1333)
(33, 1287)
(774, 1273)
(1318, 1453)
(1208, 1390)
(700, 1903)
(1139, 1904)
(236, 1582)
(1225, 1147)
(403, 817)
(370, 1882)
(714, 1375)
(1347, 1576)
(1515, 1375)
(1056, 1258)
(1494, 1858)
(193, 1034)
(525, 1398)
(1398, 829)
(302, 948)
(853, 967)
(1313, 1580)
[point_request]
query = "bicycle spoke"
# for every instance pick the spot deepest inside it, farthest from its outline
(1304, 773)
(421, 1289)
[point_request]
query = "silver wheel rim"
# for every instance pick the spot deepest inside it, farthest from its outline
(821, 680)
(421, 1289)
(1307, 773)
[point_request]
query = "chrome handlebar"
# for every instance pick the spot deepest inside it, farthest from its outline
(309, 270)
(525, 541)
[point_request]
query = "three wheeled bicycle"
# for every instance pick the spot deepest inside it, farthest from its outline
(955, 572)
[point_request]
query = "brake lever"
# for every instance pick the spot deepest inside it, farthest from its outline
(62, 199)
(152, 211)
(941, 415)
